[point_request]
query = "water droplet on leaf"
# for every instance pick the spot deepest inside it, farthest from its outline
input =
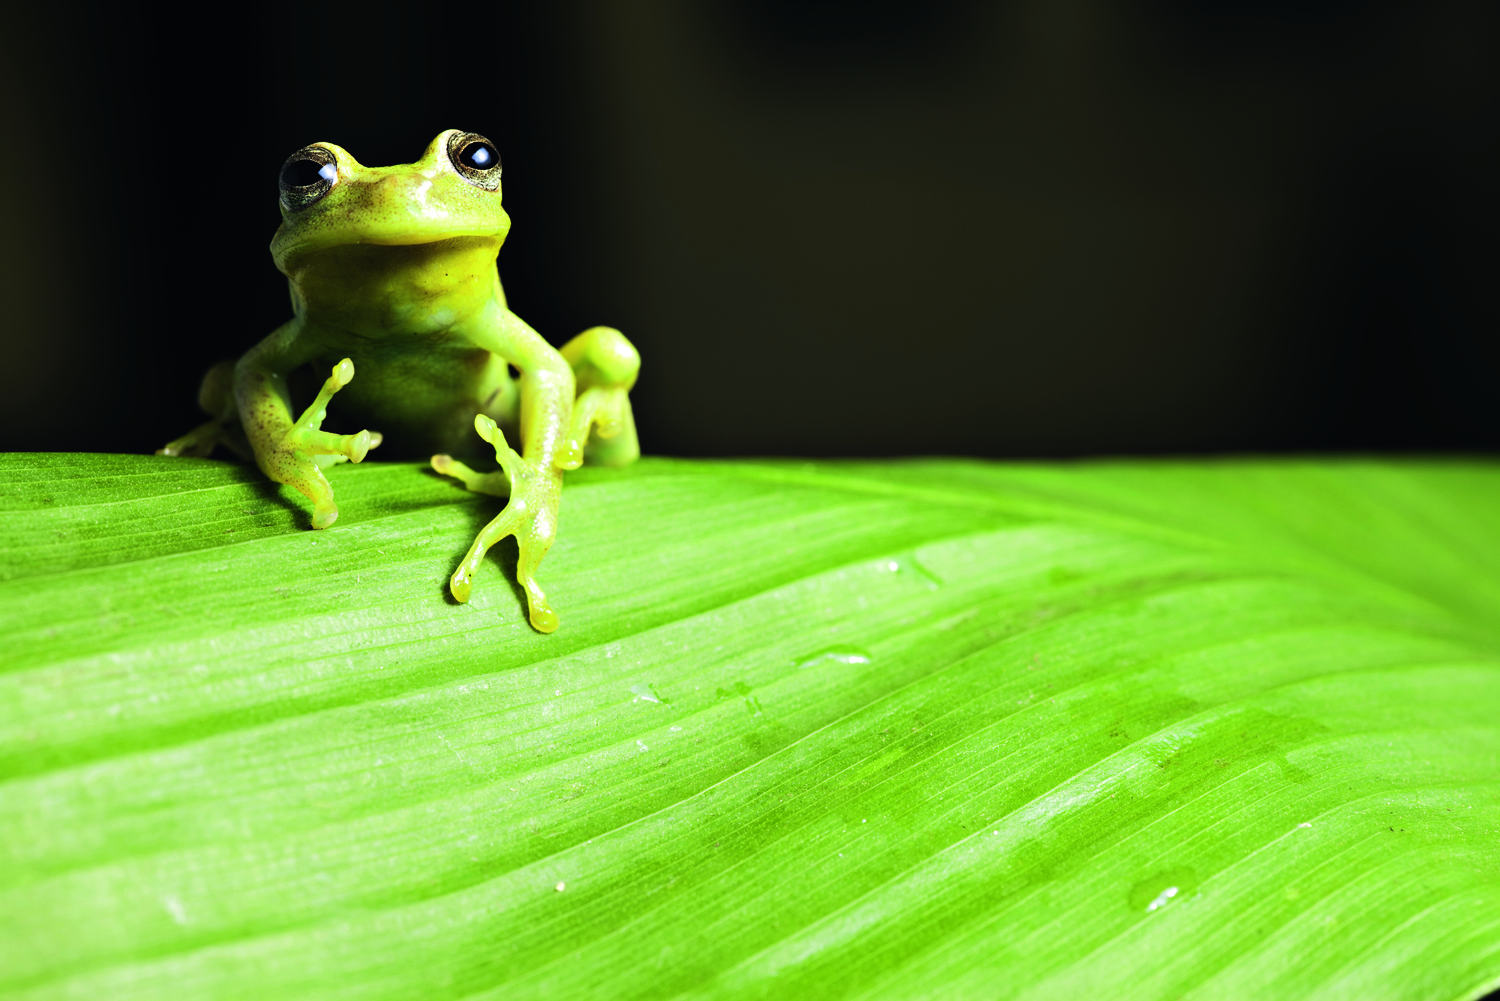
(837, 655)
(1162, 889)
(647, 691)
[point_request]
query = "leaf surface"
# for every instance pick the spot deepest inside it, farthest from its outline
(844, 730)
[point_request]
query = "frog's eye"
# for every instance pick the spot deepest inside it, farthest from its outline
(475, 159)
(478, 156)
(307, 175)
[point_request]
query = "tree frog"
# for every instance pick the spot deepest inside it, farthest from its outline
(393, 268)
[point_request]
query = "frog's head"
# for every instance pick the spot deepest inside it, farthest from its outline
(329, 199)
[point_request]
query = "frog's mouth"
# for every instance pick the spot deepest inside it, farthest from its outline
(372, 267)
(292, 252)
(390, 215)
(419, 238)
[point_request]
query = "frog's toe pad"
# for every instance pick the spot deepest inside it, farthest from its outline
(543, 620)
(489, 431)
(610, 419)
(460, 585)
(570, 456)
(357, 446)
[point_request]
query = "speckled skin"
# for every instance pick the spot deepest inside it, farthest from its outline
(393, 269)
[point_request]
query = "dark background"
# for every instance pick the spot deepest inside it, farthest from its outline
(1033, 227)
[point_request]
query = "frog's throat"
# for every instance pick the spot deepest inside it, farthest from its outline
(383, 288)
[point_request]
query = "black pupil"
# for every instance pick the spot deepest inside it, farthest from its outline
(301, 173)
(479, 156)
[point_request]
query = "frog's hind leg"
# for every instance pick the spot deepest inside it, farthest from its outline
(605, 366)
(614, 441)
(216, 397)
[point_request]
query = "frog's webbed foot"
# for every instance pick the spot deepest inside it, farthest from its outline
(305, 450)
(531, 516)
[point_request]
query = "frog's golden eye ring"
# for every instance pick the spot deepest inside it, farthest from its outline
(475, 159)
(307, 175)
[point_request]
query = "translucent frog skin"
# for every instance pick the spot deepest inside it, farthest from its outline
(394, 268)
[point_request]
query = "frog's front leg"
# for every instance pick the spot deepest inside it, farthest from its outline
(295, 452)
(605, 366)
(531, 516)
(532, 478)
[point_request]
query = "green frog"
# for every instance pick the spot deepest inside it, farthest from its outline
(393, 268)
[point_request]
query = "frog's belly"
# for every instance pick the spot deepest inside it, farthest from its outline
(421, 397)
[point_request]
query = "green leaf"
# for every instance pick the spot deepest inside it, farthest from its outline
(841, 730)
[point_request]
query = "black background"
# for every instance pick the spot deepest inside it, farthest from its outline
(1040, 227)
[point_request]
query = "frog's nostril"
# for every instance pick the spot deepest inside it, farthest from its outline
(397, 186)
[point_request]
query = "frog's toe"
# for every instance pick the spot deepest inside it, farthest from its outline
(461, 584)
(375, 439)
(342, 375)
(510, 461)
(357, 446)
(312, 442)
(495, 484)
(198, 442)
(543, 619)
(490, 432)
(179, 447)
(570, 456)
(604, 411)
(324, 516)
(610, 420)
